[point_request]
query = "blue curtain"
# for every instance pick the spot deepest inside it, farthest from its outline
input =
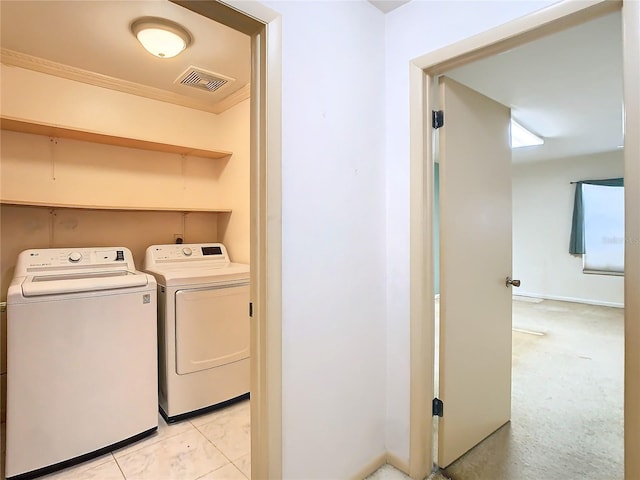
(576, 242)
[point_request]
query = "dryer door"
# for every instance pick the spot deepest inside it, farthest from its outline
(212, 327)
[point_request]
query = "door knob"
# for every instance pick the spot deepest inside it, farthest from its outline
(510, 281)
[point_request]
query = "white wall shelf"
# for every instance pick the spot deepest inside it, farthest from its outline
(113, 208)
(87, 136)
(47, 130)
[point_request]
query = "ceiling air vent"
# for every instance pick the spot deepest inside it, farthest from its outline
(198, 78)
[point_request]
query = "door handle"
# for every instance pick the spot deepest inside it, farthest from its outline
(510, 281)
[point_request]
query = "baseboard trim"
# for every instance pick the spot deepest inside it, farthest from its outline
(398, 463)
(586, 301)
(370, 467)
(381, 461)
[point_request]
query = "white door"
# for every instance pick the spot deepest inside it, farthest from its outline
(475, 259)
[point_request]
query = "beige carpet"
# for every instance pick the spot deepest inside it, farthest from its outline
(567, 399)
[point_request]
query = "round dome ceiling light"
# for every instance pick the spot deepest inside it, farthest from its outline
(160, 37)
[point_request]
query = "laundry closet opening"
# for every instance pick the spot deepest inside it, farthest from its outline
(103, 146)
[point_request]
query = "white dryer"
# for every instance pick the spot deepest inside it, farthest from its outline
(81, 357)
(203, 327)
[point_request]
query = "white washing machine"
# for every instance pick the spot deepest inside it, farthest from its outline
(203, 327)
(81, 357)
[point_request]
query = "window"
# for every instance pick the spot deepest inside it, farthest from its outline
(603, 229)
(597, 230)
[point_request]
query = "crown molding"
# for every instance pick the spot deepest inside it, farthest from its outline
(22, 60)
(243, 93)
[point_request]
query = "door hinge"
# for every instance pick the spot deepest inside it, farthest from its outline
(437, 118)
(437, 407)
(251, 309)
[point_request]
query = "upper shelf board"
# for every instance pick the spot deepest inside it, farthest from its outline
(61, 132)
(54, 205)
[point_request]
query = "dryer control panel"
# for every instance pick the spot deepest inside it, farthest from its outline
(191, 252)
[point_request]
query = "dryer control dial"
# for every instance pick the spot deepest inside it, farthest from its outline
(186, 251)
(75, 257)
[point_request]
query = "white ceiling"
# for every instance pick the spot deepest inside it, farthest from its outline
(566, 87)
(387, 5)
(95, 36)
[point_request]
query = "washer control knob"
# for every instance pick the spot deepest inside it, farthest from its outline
(186, 251)
(75, 257)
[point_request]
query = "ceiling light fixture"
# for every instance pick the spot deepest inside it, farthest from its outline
(160, 37)
(521, 137)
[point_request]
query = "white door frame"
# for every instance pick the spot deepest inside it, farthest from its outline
(423, 74)
(263, 25)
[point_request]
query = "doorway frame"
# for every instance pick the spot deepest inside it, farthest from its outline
(264, 26)
(424, 71)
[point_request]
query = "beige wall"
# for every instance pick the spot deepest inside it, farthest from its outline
(36, 168)
(40, 169)
(542, 211)
(233, 185)
(38, 97)
(41, 227)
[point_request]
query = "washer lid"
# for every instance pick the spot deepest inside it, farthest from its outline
(172, 274)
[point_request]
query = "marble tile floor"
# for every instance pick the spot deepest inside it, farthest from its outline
(213, 446)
